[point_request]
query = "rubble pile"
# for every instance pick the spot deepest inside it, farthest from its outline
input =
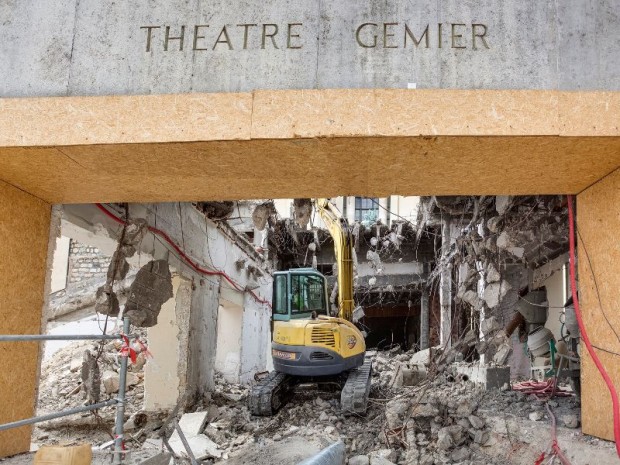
(421, 412)
(68, 381)
(434, 420)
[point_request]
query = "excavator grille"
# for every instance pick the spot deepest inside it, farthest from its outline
(323, 336)
(320, 356)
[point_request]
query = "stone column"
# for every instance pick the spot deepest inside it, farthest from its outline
(25, 234)
(424, 320)
(445, 287)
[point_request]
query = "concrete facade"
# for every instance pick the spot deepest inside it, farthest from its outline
(92, 47)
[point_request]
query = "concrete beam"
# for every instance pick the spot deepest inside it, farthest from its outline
(90, 149)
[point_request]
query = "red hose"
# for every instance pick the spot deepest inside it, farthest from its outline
(582, 328)
(184, 256)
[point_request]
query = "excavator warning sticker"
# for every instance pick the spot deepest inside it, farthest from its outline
(284, 355)
(351, 341)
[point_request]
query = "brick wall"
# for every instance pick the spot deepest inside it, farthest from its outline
(86, 262)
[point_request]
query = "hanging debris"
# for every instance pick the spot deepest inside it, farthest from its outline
(262, 214)
(216, 210)
(151, 288)
(303, 211)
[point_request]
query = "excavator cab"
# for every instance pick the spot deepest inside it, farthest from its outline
(299, 294)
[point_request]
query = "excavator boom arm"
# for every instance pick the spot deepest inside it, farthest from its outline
(343, 249)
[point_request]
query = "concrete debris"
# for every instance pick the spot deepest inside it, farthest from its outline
(216, 210)
(303, 212)
(162, 458)
(502, 354)
(536, 416)
(495, 292)
(489, 326)
(201, 446)
(192, 424)
(110, 382)
(91, 377)
(135, 422)
(261, 215)
(443, 418)
(571, 421)
(119, 267)
(492, 275)
(106, 301)
(359, 460)
(151, 288)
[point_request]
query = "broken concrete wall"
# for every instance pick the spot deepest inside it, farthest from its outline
(256, 339)
(163, 378)
(230, 319)
(203, 335)
(216, 248)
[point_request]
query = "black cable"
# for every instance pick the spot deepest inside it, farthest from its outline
(605, 350)
(598, 294)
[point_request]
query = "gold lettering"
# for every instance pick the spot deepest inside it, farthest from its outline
(417, 42)
(386, 35)
(225, 41)
(197, 37)
(359, 41)
(246, 28)
(271, 36)
(181, 38)
(456, 36)
(291, 35)
(149, 35)
(481, 36)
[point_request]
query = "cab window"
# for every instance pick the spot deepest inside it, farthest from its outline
(279, 295)
(307, 294)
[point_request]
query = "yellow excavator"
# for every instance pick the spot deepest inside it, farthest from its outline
(309, 345)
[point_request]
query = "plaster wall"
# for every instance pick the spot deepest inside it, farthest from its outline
(229, 329)
(203, 336)
(24, 239)
(256, 338)
(598, 222)
(163, 374)
(60, 265)
(99, 47)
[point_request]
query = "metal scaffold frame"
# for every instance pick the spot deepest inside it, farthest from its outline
(119, 401)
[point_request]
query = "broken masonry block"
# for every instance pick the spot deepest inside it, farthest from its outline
(118, 268)
(135, 231)
(150, 289)
(91, 377)
(106, 301)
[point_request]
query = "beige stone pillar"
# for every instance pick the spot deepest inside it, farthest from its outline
(24, 236)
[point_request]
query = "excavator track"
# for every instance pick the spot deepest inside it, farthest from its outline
(267, 396)
(354, 396)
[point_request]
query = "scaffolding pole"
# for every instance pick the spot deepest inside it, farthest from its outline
(119, 401)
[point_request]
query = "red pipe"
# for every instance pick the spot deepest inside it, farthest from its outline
(582, 328)
(184, 256)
